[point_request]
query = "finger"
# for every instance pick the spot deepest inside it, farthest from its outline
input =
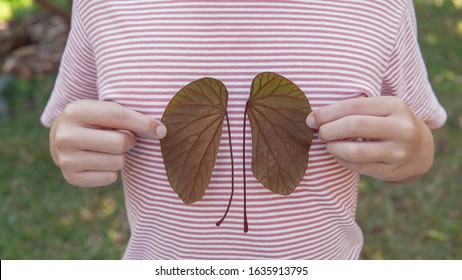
(369, 127)
(87, 161)
(91, 178)
(115, 116)
(363, 152)
(373, 106)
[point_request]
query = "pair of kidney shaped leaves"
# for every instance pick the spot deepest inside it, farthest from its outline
(277, 110)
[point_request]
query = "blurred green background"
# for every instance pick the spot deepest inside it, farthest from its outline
(42, 217)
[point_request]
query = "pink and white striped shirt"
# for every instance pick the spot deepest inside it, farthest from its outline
(140, 53)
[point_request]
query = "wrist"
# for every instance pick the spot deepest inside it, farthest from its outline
(422, 156)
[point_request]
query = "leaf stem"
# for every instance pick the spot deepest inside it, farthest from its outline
(232, 171)
(246, 224)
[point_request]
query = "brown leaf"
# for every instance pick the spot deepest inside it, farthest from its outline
(194, 121)
(277, 111)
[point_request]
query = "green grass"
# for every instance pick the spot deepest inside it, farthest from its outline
(42, 217)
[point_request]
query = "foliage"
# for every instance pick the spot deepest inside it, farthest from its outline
(15, 8)
(11, 9)
(277, 110)
(194, 120)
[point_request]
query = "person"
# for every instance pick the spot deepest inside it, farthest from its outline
(358, 62)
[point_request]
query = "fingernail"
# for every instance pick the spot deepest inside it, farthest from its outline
(310, 121)
(161, 131)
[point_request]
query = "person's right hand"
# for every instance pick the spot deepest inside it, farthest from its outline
(89, 139)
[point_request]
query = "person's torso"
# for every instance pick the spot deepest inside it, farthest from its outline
(146, 51)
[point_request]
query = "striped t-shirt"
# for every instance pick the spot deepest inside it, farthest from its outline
(140, 53)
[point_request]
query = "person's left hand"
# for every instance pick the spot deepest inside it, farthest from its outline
(397, 147)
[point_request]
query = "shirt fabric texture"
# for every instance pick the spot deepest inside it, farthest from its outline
(140, 53)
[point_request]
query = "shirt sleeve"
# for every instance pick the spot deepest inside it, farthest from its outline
(406, 76)
(77, 77)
